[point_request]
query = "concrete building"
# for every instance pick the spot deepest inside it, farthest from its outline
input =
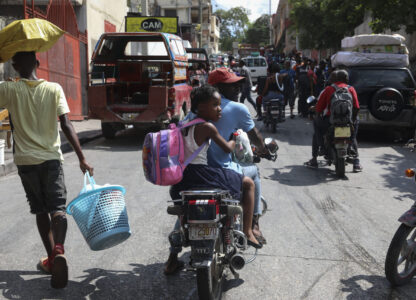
(197, 23)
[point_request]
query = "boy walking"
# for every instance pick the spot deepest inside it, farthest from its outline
(34, 105)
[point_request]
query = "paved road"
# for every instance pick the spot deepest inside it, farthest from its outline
(327, 238)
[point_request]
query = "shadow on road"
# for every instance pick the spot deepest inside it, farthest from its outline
(396, 164)
(300, 175)
(141, 282)
(357, 287)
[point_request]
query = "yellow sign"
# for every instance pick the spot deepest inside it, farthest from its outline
(152, 24)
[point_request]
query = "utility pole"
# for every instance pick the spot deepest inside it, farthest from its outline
(200, 23)
(270, 21)
(145, 12)
(145, 7)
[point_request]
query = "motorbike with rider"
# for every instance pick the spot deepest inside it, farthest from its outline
(336, 125)
(227, 221)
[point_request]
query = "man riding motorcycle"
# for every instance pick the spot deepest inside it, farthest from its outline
(234, 116)
(322, 116)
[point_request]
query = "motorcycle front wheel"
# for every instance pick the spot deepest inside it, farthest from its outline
(210, 279)
(400, 266)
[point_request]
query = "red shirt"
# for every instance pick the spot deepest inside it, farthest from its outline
(324, 100)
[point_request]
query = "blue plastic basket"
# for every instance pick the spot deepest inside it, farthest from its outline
(101, 215)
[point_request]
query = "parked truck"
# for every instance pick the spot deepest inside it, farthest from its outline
(138, 79)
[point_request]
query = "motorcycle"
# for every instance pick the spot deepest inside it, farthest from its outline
(211, 224)
(275, 113)
(336, 142)
(400, 264)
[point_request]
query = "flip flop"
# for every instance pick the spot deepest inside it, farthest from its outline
(179, 266)
(252, 244)
(59, 272)
(44, 265)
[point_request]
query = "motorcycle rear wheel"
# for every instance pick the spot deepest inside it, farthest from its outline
(210, 279)
(399, 253)
(273, 125)
(340, 167)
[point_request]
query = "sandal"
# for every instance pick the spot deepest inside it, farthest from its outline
(313, 163)
(255, 245)
(44, 265)
(173, 267)
(59, 272)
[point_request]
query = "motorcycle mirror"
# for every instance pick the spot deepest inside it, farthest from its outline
(310, 99)
(410, 173)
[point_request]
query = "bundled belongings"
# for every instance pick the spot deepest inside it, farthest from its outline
(372, 50)
(356, 59)
(26, 36)
(375, 43)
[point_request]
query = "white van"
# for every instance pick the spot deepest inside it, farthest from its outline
(257, 65)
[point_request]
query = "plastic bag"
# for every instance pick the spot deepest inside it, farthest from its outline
(27, 35)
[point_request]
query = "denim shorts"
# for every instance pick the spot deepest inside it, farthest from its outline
(44, 185)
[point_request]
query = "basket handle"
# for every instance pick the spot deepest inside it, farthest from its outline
(90, 180)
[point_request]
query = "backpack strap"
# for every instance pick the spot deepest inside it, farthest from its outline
(191, 123)
(196, 152)
(335, 87)
(191, 158)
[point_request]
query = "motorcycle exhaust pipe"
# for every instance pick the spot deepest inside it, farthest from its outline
(237, 261)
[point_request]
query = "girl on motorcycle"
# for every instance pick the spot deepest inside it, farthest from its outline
(206, 104)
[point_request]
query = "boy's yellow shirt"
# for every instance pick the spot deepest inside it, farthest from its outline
(34, 106)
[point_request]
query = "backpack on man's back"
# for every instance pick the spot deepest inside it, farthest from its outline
(341, 106)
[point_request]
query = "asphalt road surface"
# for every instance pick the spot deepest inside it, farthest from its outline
(327, 237)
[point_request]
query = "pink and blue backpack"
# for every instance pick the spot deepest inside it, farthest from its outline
(163, 154)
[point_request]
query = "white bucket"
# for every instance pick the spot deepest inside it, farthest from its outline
(2, 144)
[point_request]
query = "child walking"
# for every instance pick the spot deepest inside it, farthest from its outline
(206, 104)
(34, 105)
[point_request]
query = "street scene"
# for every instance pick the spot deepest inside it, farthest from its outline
(207, 150)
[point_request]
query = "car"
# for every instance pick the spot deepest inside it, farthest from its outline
(257, 65)
(387, 97)
(138, 79)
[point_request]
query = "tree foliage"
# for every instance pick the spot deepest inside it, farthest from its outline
(234, 24)
(323, 23)
(392, 14)
(258, 32)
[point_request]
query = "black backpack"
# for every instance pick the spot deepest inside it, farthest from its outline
(341, 106)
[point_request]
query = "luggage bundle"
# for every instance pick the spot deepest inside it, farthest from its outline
(372, 50)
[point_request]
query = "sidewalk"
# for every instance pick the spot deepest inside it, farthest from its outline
(87, 130)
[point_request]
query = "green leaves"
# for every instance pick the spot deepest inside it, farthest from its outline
(234, 24)
(324, 23)
(258, 32)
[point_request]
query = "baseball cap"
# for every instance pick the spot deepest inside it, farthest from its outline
(223, 75)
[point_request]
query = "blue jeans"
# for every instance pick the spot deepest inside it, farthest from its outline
(253, 172)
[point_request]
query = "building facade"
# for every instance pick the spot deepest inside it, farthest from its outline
(284, 35)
